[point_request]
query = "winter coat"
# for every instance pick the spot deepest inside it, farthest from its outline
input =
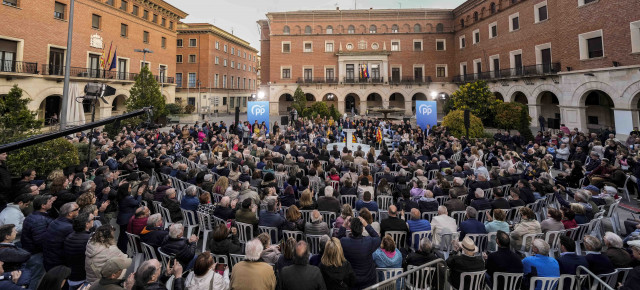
(522, 228)
(13, 257)
(153, 236)
(95, 256)
(230, 245)
(262, 276)
(181, 248)
(52, 250)
(135, 226)
(34, 229)
(12, 215)
(190, 203)
(127, 208)
(384, 261)
(338, 278)
(74, 254)
(358, 251)
(301, 277)
(107, 284)
(220, 282)
(174, 209)
(160, 192)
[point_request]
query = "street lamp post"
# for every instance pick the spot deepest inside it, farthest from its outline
(144, 54)
(67, 63)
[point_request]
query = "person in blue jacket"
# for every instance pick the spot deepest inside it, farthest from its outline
(57, 232)
(358, 250)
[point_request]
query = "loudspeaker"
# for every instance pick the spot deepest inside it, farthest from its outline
(467, 121)
(284, 120)
(237, 115)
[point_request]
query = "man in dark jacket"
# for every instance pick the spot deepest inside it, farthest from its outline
(158, 277)
(57, 232)
(525, 192)
(34, 229)
(569, 260)
(75, 246)
(14, 258)
(358, 250)
(111, 273)
(465, 261)
(271, 217)
(481, 202)
(224, 210)
(498, 200)
(154, 233)
(182, 249)
(169, 201)
(479, 182)
(599, 263)
(301, 275)
(471, 225)
(393, 223)
(503, 260)
(328, 202)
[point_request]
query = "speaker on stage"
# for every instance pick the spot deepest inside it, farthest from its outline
(237, 115)
(284, 120)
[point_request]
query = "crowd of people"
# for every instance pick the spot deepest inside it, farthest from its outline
(68, 228)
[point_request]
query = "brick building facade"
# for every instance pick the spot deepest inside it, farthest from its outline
(543, 53)
(33, 39)
(216, 71)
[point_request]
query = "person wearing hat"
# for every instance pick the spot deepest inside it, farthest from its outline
(464, 260)
(540, 264)
(112, 275)
(633, 277)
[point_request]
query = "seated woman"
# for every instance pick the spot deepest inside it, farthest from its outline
(387, 256)
(367, 216)
(294, 220)
(225, 241)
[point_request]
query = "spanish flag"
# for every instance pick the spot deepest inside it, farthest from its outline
(379, 135)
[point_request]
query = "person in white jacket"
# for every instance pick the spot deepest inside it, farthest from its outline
(12, 214)
(442, 224)
(562, 154)
(208, 275)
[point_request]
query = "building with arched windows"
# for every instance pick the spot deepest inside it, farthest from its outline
(543, 53)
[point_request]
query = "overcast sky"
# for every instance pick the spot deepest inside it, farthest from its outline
(241, 15)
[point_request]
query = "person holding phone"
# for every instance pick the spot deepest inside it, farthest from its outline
(208, 275)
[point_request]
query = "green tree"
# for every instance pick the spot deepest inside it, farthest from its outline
(299, 100)
(478, 98)
(146, 92)
(16, 121)
(454, 122)
(525, 124)
(43, 157)
(508, 115)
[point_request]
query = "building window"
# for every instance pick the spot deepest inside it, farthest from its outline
(514, 22)
(308, 74)
(145, 36)
(13, 3)
(286, 47)
(329, 29)
(163, 22)
(493, 30)
(328, 47)
(540, 11)
(286, 30)
(394, 28)
(373, 29)
(134, 10)
(224, 62)
(307, 29)
(217, 60)
(179, 42)
(217, 45)
(216, 81)
(417, 45)
(308, 47)
(351, 29)
(59, 10)
(476, 36)
(179, 58)
(417, 28)
(494, 65)
(441, 44)
(441, 70)
(155, 18)
(193, 42)
(477, 66)
(584, 2)
(395, 45)
(124, 5)
(492, 8)
(163, 42)
(233, 83)
(95, 21)
(225, 48)
(635, 36)
(463, 43)
(329, 74)
(286, 73)
(462, 23)
(440, 28)
(192, 58)
(591, 45)
(111, 2)
(171, 25)
(145, 14)
(124, 30)
(192, 80)
(179, 79)
(233, 50)
(475, 16)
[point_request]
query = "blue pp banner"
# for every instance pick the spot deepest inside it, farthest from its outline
(258, 111)
(426, 113)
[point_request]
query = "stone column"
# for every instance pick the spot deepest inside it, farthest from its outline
(385, 103)
(363, 108)
(573, 117)
(274, 109)
(408, 109)
(534, 112)
(341, 106)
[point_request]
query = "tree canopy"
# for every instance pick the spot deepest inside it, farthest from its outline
(478, 99)
(146, 92)
(16, 120)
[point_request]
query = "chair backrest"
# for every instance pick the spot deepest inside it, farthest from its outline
(623, 273)
(442, 199)
(481, 241)
(149, 251)
(475, 280)
(492, 246)
(482, 215)
(235, 258)
(400, 238)
(611, 279)
(188, 218)
(245, 232)
(336, 185)
(348, 199)
(458, 216)
(133, 241)
(488, 192)
(384, 201)
(428, 215)
(328, 217)
(553, 239)
(306, 215)
(567, 282)
(580, 231)
(545, 283)
(272, 231)
(446, 239)
(205, 221)
(314, 243)
(527, 240)
(166, 215)
(514, 214)
(217, 220)
(432, 173)
(503, 280)
(298, 235)
(156, 206)
(422, 279)
(220, 259)
(387, 273)
(164, 258)
(416, 237)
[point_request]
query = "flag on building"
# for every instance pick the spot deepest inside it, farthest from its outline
(107, 62)
(113, 59)
(379, 135)
(365, 71)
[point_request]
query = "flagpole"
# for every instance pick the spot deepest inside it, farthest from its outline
(67, 64)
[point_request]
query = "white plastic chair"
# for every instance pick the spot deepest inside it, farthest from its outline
(384, 201)
(206, 226)
(611, 279)
(480, 240)
(553, 239)
(506, 280)
(348, 199)
(546, 283)
(245, 232)
(458, 216)
(297, 235)
(189, 221)
(272, 231)
(235, 259)
(476, 280)
(314, 243)
(416, 237)
(428, 215)
(306, 215)
(220, 259)
(400, 238)
(328, 217)
(422, 279)
(149, 251)
(133, 242)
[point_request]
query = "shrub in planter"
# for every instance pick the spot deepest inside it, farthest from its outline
(43, 157)
(454, 122)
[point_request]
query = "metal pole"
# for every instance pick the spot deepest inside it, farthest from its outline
(93, 119)
(67, 67)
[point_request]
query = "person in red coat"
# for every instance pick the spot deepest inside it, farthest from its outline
(138, 221)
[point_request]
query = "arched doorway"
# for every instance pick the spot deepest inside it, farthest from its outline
(374, 100)
(520, 97)
(284, 104)
(548, 102)
(50, 107)
(310, 99)
(599, 111)
(352, 104)
(331, 100)
(396, 101)
(498, 96)
(417, 97)
(118, 106)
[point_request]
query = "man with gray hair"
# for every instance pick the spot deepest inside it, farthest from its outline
(252, 273)
(226, 209)
(540, 264)
(481, 202)
(479, 182)
(88, 186)
(176, 245)
(633, 280)
(599, 263)
(154, 233)
(190, 199)
(471, 225)
(328, 202)
(169, 202)
(57, 232)
(316, 226)
(246, 192)
(301, 275)
(425, 254)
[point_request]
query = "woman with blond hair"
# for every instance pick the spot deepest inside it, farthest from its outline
(294, 220)
(336, 270)
(220, 187)
(307, 201)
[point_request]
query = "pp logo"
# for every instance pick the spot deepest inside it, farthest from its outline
(425, 109)
(258, 110)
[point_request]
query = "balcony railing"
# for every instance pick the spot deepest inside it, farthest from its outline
(518, 72)
(19, 67)
(374, 80)
(58, 70)
(410, 80)
(317, 81)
